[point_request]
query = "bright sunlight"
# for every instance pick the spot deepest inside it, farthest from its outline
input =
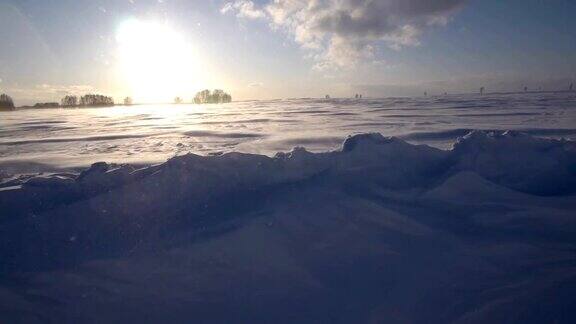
(156, 62)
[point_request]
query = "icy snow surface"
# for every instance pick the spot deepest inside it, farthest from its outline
(377, 230)
(49, 139)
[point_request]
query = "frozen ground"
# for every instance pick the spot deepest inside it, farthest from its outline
(379, 230)
(57, 138)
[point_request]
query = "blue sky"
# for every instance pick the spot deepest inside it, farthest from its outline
(260, 50)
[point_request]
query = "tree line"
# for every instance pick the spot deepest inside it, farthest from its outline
(216, 96)
(90, 100)
(47, 105)
(87, 100)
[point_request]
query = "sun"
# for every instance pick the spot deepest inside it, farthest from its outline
(155, 62)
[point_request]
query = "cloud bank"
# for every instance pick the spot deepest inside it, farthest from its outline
(344, 32)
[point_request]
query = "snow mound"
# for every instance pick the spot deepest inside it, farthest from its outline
(519, 161)
(510, 159)
(382, 226)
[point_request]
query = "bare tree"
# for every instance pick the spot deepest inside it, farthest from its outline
(92, 100)
(216, 96)
(202, 97)
(226, 98)
(69, 101)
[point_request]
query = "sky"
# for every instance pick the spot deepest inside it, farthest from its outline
(154, 50)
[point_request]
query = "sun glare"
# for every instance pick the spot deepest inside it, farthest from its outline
(156, 63)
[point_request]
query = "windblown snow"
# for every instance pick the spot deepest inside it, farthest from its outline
(33, 140)
(379, 230)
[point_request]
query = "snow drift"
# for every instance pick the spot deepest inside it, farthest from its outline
(380, 230)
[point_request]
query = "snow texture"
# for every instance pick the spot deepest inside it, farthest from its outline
(380, 230)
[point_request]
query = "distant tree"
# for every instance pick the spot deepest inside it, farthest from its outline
(481, 90)
(87, 100)
(216, 96)
(202, 97)
(92, 100)
(69, 101)
(571, 86)
(6, 102)
(177, 100)
(128, 101)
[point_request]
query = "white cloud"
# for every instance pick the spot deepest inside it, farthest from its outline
(344, 32)
(243, 9)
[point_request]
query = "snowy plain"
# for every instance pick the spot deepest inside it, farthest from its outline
(455, 219)
(61, 138)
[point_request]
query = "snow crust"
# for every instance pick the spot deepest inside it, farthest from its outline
(382, 226)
